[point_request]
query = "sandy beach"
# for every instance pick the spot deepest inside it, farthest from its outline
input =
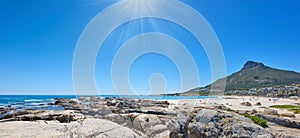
(234, 102)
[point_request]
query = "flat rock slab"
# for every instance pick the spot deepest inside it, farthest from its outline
(89, 128)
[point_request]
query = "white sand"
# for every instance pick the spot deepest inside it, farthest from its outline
(234, 102)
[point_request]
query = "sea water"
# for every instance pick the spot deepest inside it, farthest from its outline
(44, 101)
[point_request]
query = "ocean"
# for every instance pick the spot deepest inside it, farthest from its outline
(43, 101)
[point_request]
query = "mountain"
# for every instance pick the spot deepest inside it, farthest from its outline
(255, 75)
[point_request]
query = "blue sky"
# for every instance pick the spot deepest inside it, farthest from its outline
(38, 39)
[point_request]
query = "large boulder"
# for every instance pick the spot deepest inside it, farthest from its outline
(205, 116)
(3, 111)
(15, 113)
(88, 128)
(115, 118)
(280, 121)
(283, 135)
(98, 112)
(227, 128)
(64, 101)
(246, 104)
(156, 130)
(182, 120)
(258, 104)
(148, 124)
(197, 130)
(270, 111)
(179, 126)
(112, 102)
(214, 124)
(63, 116)
(247, 130)
(173, 126)
(287, 114)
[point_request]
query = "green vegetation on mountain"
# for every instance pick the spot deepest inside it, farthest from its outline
(257, 75)
(254, 75)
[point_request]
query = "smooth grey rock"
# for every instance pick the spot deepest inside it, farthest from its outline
(63, 116)
(156, 130)
(197, 130)
(173, 126)
(270, 111)
(290, 115)
(144, 122)
(182, 120)
(282, 135)
(90, 128)
(230, 125)
(206, 115)
(99, 112)
(117, 118)
(240, 118)
(246, 104)
(280, 121)
(249, 130)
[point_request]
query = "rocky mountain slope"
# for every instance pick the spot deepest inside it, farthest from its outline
(256, 75)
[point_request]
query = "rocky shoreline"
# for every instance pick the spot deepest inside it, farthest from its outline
(115, 117)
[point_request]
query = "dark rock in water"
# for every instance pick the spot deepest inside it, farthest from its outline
(64, 101)
(2, 108)
(67, 104)
(51, 103)
(15, 113)
(31, 115)
(3, 111)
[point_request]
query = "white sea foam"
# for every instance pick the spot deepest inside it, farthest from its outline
(33, 100)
